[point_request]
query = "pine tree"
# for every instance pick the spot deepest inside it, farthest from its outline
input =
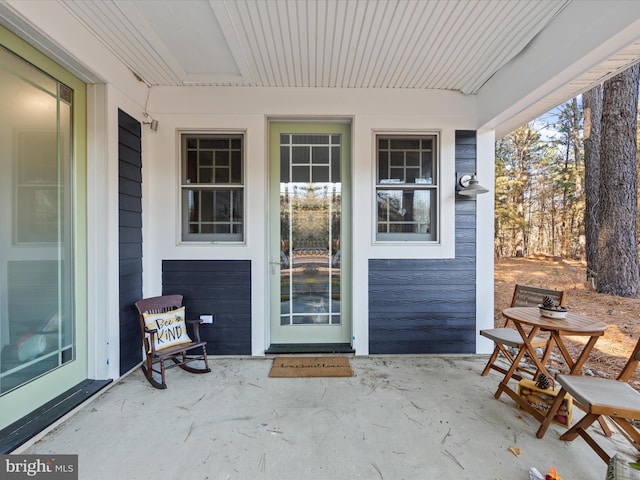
(618, 269)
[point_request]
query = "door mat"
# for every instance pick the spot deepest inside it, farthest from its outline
(299, 367)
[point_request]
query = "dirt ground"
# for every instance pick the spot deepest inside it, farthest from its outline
(621, 314)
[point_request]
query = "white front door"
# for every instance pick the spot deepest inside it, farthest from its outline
(309, 233)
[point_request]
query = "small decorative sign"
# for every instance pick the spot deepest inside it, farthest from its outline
(170, 327)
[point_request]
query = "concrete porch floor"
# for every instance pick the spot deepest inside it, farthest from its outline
(409, 417)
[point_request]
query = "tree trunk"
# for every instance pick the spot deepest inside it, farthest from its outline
(592, 105)
(618, 238)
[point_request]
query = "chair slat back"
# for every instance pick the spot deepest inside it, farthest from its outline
(631, 365)
(160, 304)
(526, 296)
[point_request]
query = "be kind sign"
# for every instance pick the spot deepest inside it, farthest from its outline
(170, 326)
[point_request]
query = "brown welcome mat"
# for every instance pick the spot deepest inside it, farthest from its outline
(291, 367)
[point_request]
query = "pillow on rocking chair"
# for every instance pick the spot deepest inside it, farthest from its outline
(171, 328)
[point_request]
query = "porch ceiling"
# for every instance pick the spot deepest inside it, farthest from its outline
(517, 58)
(415, 44)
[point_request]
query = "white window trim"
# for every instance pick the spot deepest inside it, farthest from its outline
(397, 237)
(180, 186)
(444, 246)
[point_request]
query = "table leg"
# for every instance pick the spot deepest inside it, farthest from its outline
(529, 348)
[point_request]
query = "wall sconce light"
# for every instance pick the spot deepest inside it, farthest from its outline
(153, 124)
(468, 185)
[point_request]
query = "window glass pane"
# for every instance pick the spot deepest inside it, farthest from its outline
(383, 165)
(205, 175)
(397, 174)
(214, 213)
(335, 164)
(192, 167)
(404, 143)
(284, 164)
(214, 143)
(310, 213)
(406, 160)
(310, 139)
(301, 174)
(408, 211)
(300, 155)
(205, 158)
(36, 249)
(320, 154)
(427, 172)
(222, 205)
(413, 159)
(320, 174)
(222, 158)
(397, 159)
(222, 175)
(205, 206)
(236, 167)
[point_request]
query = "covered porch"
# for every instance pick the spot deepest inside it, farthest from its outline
(397, 417)
(153, 84)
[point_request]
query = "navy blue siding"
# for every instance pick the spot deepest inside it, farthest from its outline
(219, 287)
(428, 306)
(130, 238)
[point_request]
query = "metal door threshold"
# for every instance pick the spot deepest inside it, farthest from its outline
(30, 425)
(291, 348)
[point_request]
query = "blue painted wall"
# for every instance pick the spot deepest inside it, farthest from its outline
(129, 238)
(218, 287)
(428, 306)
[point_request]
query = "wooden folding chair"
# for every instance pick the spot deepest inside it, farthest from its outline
(165, 337)
(601, 397)
(507, 338)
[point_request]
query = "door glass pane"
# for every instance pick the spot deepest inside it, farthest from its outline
(36, 293)
(310, 209)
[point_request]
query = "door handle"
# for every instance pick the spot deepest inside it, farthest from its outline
(273, 264)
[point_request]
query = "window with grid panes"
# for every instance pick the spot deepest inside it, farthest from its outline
(407, 187)
(212, 187)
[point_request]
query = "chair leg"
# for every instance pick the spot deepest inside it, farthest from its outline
(162, 372)
(186, 367)
(629, 431)
(492, 359)
(206, 359)
(510, 359)
(592, 443)
(148, 373)
(491, 363)
(580, 428)
(605, 428)
(583, 424)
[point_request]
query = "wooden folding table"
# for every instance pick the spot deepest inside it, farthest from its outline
(573, 325)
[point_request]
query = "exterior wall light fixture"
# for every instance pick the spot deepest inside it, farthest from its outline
(153, 124)
(468, 185)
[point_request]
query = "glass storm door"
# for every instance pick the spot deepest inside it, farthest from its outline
(43, 312)
(309, 269)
